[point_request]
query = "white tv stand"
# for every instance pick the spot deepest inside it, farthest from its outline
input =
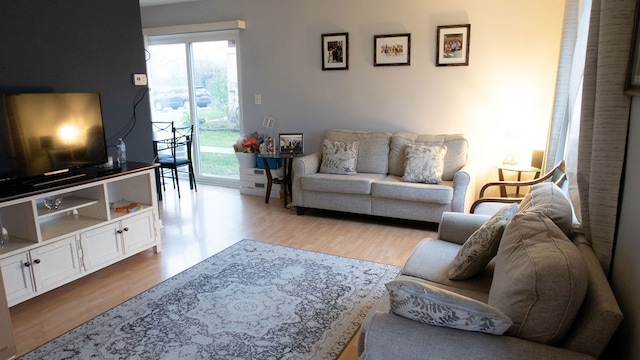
(49, 248)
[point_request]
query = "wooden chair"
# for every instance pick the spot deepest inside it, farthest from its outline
(558, 175)
(177, 155)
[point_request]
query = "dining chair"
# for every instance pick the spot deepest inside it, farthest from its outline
(178, 155)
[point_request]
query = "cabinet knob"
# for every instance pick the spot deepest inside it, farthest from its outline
(37, 261)
(119, 231)
(27, 264)
(126, 229)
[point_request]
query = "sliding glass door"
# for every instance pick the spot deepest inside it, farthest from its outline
(194, 80)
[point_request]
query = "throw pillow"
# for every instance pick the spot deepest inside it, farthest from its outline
(548, 199)
(339, 157)
(430, 305)
(424, 164)
(481, 246)
(540, 279)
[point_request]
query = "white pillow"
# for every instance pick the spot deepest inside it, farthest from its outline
(428, 304)
(481, 246)
(339, 157)
(424, 164)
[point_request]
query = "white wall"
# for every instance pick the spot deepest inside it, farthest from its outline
(508, 85)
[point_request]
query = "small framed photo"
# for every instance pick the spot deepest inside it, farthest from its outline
(391, 50)
(335, 51)
(291, 143)
(453, 45)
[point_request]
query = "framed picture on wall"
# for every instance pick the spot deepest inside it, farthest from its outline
(291, 143)
(453, 45)
(391, 50)
(335, 51)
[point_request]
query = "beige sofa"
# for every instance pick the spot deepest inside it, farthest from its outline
(377, 187)
(551, 290)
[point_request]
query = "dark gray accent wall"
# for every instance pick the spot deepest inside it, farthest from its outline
(78, 46)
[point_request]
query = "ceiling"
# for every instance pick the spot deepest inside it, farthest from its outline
(144, 3)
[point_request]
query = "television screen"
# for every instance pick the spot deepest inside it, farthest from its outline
(49, 133)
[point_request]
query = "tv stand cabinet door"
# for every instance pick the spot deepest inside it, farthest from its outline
(18, 284)
(55, 264)
(101, 247)
(138, 233)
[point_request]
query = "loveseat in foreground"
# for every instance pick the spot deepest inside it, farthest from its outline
(543, 296)
(376, 185)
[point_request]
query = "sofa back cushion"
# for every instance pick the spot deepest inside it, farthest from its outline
(550, 200)
(540, 279)
(373, 148)
(454, 160)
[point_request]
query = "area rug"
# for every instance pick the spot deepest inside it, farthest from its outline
(251, 301)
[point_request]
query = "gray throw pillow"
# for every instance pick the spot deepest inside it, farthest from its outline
(481, 246)
(428, 304)
(339, 157)
(540, 279)
(424, 164)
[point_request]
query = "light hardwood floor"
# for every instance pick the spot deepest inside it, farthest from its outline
(199, 225)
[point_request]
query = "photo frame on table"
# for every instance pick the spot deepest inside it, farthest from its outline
(335, 51)
(392, 50)
(632, 85)
(453, 45)
(291, 143)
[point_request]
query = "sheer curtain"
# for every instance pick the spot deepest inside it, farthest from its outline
(564, 130)
(603, 114)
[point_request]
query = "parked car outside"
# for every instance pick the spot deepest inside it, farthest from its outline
(179, 97)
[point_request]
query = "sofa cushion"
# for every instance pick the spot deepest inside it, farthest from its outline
(428, 304)
(540, 279)
(481, 246)
(373, 151)
(392, 187)
(431, 260)
(352, 184)
(424, 164)
(548, 199)
(339, 157)
(454, 160)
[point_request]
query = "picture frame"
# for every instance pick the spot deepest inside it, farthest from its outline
(632, 84)
(392, 50)
(453, 45)
(291, 143)
(335, 51)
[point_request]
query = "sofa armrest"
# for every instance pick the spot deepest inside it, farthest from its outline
(463, 189)
(389, 336)
(307, 164)
(457, 227)
(303, 165)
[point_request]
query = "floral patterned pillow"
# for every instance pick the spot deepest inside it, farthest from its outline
(481, 246)
(339, 157)
(424, 164)
(430, 305)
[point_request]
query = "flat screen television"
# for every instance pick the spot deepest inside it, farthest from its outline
(47, 135)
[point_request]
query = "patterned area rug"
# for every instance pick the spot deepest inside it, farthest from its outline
(251, 301)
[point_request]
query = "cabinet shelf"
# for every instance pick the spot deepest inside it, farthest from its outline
(14, 244)
(69, 203)
(65, 225)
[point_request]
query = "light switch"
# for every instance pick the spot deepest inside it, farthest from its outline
(258, 99)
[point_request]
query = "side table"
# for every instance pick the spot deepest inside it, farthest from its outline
(519, 171)
(287, 164)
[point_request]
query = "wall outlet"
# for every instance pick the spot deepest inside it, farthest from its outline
(140, 79)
